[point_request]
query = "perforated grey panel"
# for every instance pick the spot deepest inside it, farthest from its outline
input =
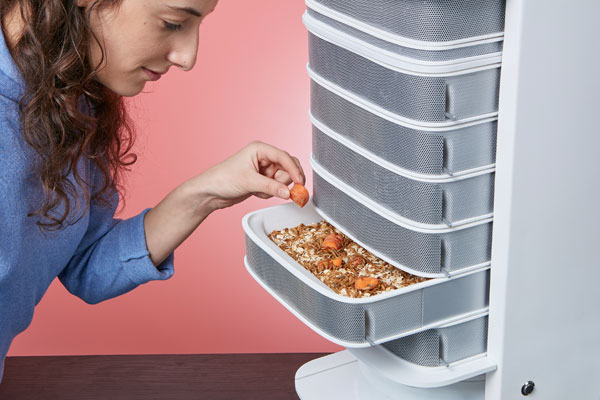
(423, 252)
(353, 323)
(417, 150)
(429, 203)
(427, 20)
(461, 90)
(341, 320)
(464, 340)
(436, 347)
(466, 247)
(422, 348)
(383, 316)
(423, 55)
(420, 98)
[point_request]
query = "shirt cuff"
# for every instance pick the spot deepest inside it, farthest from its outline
(134, 254)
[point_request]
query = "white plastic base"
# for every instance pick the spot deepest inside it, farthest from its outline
(340, 376)
(378, 362)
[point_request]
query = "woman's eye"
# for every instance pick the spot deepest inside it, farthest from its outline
(172, 27)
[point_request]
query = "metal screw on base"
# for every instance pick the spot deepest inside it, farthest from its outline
(527, 388)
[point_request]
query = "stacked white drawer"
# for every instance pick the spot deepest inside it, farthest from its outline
(404, 100)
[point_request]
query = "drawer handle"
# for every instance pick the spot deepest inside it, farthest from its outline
(450, 95)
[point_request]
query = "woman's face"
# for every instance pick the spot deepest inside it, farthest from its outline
(142, 39)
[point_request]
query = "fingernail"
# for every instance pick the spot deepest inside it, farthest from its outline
(284, 193)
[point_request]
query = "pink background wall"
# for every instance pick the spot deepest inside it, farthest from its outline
(249, 83)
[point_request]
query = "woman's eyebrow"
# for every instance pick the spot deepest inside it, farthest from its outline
(188, 10)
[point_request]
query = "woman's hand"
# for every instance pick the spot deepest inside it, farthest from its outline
(258, 169)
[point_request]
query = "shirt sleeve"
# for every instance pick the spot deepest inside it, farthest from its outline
(112, 258)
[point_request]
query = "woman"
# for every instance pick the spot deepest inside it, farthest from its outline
(65, 66)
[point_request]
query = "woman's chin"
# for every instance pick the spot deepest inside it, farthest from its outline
(130, 90)
(127, 89)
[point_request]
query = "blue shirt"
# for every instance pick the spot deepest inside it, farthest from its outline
(97, 258)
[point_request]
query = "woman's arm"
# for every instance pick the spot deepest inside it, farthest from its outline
(258, 169)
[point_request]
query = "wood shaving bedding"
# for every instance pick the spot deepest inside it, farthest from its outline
(350, 270)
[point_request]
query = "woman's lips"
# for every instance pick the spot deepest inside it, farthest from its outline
(154, 76)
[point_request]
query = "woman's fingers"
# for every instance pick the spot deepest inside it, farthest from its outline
(271, 170)
(262, 195)
(260, 184)
(276, 171)
(297, 162)
(280, 176)
(283, 177)
(282, 158)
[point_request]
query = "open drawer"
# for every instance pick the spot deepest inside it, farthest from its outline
(349, 321)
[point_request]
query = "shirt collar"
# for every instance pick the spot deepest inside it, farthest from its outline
(11, 81)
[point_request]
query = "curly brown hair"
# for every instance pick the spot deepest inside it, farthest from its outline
(52, 56)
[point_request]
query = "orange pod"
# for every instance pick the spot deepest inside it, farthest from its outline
(299, 195)
(366, 282)
(332, 241)
(356, 261)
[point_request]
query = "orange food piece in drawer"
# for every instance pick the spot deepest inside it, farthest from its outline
(332, 241)
(337, 261)
(366, 282)
(356, 261)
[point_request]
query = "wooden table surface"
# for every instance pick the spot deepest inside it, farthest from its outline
(173, 377)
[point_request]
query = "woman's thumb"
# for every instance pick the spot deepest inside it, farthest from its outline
(269, 186)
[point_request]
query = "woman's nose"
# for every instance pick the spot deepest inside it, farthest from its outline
(184, 52)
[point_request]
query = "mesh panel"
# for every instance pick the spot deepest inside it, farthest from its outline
(422, 348)
(420, 98)
(343, 321)
(427, 20)
(417, 150)
(433, 347)
(429, 203)
(470, 147)
(353, 323)
(461, 89)
(464, 340)
(412, 199)
(423, 55)
(467, 247)
(423, 252)
(383, 317)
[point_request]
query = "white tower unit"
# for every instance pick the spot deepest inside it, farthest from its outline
(456, 140)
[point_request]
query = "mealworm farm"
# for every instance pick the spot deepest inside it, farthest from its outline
(340, 263)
